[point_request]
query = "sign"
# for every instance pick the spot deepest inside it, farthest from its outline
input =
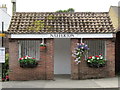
(2, 55)
(2, 35)
(62, 35)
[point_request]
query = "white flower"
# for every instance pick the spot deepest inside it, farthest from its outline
(77, 53)
(88, 61)
(77, 43)
(76, 60)
(101, 57)
(26, 57)
(73, 55)
(93, 57)
(97, 58)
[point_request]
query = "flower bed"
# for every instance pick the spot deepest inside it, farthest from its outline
(96, 61)
(27, 62)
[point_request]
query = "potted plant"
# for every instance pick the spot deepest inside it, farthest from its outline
(42, 46)
(27, 62)
(96, 61)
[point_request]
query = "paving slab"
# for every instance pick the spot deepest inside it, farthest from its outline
(64, 83)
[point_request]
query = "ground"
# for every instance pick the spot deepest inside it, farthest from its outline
(64, 83)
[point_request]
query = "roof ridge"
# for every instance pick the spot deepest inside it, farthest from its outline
(62, 12)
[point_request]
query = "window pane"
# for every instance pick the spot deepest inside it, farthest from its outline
(30, 48)
(96, 47)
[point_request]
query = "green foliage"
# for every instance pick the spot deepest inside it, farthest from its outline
(71, 10)
(5, 66)
(27, 60)
(68, 10)
(40, 24)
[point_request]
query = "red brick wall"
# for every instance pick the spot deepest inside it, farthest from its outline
(87, 72)
(74, 67)
(44, 70)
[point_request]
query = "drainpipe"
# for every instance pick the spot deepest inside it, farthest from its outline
(2, 32)
(13, 6)
(2, 46)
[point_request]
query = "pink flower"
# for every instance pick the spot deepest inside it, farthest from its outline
(20, 59)
(90, 57)
(33, 58)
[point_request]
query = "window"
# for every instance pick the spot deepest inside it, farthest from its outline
(96, 47)
(30, 48)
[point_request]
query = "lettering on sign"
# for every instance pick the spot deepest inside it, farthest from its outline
(2, 55)
(61, 35)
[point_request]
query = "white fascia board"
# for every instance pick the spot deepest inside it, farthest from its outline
(62, 35)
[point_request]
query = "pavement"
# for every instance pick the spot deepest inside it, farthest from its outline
(64, 83)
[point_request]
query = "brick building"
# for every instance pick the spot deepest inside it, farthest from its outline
(60, 32)
(114, 14)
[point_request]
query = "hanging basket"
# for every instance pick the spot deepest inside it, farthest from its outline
(42, 47)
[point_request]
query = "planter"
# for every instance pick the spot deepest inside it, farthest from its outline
(42, 47)
(28, 65)
(95, 65)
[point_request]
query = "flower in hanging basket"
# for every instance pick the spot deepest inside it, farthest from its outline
(42, 46)
(96, 61)
(27, 62)
(79, 52)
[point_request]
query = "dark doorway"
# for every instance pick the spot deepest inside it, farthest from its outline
(117, 53)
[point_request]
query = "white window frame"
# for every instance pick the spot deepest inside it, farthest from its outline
(38, 52)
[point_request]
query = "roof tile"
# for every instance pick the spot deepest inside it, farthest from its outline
(51, 22)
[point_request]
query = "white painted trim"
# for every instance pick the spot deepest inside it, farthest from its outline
(62, 35)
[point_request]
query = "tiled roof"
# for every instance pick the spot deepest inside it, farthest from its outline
(51, 22)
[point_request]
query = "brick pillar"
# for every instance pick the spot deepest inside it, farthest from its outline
(110, 54)
(50, 59)
(43, 60)
(74, 67)
(13, 56)
(47, 56)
